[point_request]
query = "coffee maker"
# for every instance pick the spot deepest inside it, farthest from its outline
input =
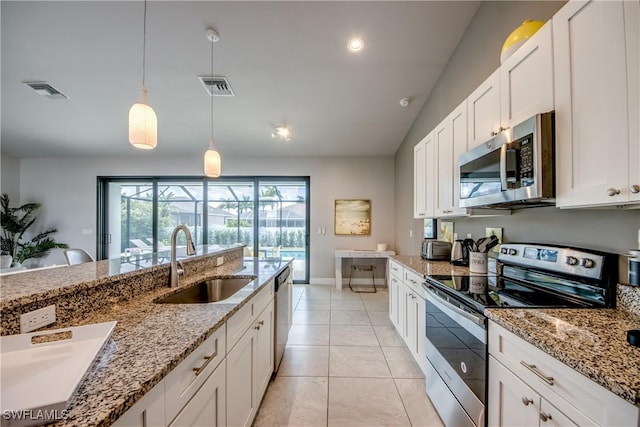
(459, 253)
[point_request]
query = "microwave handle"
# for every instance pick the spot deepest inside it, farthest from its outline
(503, 167)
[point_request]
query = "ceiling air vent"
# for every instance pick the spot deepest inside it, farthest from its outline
(217, 86)
(45, 89)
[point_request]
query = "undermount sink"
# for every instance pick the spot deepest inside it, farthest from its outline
(211, 290)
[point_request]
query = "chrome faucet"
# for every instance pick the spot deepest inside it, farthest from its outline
(191, 250)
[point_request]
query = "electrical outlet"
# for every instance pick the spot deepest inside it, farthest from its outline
(219, 261)
(37, 319)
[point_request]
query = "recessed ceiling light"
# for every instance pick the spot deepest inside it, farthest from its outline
(282, 132)
(355, 44)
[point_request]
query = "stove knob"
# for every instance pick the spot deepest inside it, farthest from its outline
(512, 252)
(587, 263)
(504, 251)
(571, 260)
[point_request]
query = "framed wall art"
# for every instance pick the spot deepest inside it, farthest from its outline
(352, 217)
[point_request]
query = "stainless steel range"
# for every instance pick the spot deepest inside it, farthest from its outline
(525, 275)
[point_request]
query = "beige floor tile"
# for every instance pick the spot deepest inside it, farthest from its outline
(345, 317)
(344, 293)
(317, 292)
(388, 336)
(365, 402)
(318, 317)
(382, 294)
(294, 401)
(305, 361)
(418, 406)
(309, 335)
(380, 318)
(366, 362)
(353, 335)
(376, 304)
(346, 304)
(314, 304)
(401, 363)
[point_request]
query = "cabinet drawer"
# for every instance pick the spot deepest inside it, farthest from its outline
(396, 270)
(564, 387)
(186, 378)
(414, 281)
(244, 317)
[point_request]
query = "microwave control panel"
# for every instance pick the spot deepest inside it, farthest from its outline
(526, 161)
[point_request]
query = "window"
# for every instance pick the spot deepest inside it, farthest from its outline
(270, 215)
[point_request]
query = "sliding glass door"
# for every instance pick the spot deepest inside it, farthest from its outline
(270, 215)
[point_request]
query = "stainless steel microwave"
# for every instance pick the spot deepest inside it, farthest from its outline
(516, 168)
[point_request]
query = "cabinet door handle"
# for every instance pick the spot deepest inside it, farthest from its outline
(545, 417)
(208, 360)
(612, 192)
(261, 322)
(635, 188)
(526, 401)
(539, 374)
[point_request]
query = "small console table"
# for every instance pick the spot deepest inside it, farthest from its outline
(352, 253)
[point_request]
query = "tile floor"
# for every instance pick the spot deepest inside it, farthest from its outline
(345, 365)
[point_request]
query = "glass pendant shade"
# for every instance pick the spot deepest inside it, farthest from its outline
(212, 161)
(143, 124)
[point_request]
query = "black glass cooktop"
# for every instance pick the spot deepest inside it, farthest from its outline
(491, 292)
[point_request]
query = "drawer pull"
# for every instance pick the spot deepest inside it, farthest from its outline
(208, 360)
(532, 368)
(545, 417)
(526, 401)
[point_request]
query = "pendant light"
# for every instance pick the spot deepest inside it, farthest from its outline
(143, 123)
(212, 161)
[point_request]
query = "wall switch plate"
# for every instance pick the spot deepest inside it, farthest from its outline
(87, 231)
(410, 233)
(37, 318)
(219, 261)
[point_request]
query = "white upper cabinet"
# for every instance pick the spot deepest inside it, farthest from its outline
(596, 87)
(431, 176)
(423, 178)
(519, 89)
(526, 79)
(419, 179)
(450, 138)
(484, 111)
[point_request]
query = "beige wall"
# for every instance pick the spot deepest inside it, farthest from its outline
(10, 179)
(67, 190)
(477, 55)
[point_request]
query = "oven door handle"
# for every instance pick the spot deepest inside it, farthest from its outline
(469, 316)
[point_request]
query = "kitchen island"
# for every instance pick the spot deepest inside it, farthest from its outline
(150, 339)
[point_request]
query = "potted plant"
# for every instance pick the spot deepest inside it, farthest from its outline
(14, 223)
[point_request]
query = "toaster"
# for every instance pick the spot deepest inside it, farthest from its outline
(435, 250)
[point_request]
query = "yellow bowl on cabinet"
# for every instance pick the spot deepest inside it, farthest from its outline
(518, 37)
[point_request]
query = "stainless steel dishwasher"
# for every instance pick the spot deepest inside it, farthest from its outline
(282, 314)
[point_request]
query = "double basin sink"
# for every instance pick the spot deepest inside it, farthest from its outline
(215, 289)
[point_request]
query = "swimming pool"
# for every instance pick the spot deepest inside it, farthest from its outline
(297, 254)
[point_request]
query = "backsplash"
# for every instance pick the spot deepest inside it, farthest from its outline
(628, 298)
(91, 288)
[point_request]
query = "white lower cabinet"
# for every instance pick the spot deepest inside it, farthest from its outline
(407, 310)
(146, 412)
(249, 368)
(528, 387)
(208, 405)
(513, 403)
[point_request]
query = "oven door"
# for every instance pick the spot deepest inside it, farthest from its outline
(457, 355)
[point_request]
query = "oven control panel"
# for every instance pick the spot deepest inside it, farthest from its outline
(552, 258)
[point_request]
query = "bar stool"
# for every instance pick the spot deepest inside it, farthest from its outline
(371, 268)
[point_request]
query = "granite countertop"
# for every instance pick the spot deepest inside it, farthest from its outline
(148, 341)
(57, 280)
(430, 268)
(591, 341)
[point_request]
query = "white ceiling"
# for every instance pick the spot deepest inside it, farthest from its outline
(286, 61)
